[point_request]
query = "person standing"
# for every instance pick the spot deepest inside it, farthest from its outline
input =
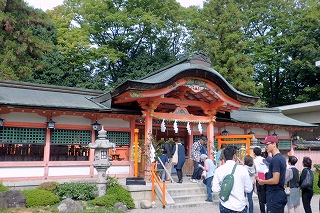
(248, 163)
(181, 158)
(195, 157)
(275, 178)
(307, 193)
(168, 148)
(294, 197)
(209, 168)
(261, 167)
(242, 183)
(164, 162)
(218, 155)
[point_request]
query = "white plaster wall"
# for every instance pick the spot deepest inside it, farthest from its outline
(75, 120)
(69, 170)
(308, 117)
(116, 170)
(114, 122)
(281, 132)
(22, 172)
(258, 131)
(233, 130)
(24, 117)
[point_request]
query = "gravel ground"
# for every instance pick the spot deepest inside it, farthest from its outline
(215, 208)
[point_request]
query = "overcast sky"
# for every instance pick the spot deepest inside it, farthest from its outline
(49, 4)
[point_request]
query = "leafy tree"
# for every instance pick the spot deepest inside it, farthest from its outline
(217, 29)
(121, 38)
(26, 37)
(304, 51)
(284, 44)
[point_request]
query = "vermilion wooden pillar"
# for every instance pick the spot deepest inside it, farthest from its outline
(147, 140)
(46, 154)
(210, 136)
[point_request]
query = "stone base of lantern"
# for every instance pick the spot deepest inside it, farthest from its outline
(135, 181)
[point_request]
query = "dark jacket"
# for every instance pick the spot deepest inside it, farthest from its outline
(181, 155)
(168, 147)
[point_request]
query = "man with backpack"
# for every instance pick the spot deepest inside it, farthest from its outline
(232, 181)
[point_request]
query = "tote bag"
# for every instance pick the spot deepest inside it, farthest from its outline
(175, 156)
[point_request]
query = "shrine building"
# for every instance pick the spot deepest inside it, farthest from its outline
(45, 130)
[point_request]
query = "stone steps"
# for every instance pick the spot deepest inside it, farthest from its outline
(187, 194)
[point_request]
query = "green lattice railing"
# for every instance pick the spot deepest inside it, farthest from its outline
(16, 135)
(119, 138)
(68, 137)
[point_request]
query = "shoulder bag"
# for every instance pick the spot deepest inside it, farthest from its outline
(308, 181)
(175, 156)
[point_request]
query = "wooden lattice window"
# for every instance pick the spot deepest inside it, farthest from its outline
(22, 144)
(119, 138)
(16, 135)
(68, 137)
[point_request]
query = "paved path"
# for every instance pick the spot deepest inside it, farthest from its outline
(215, 208)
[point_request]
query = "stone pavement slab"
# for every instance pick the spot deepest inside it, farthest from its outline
(215, 208)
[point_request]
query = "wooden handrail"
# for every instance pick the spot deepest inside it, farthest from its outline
(154, 178)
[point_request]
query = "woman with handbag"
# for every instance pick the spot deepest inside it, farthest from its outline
(207, 174)
(306, 184)
(179, 150)
(294, 196)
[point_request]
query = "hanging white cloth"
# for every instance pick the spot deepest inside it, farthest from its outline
(200, 127)
(175, 126)
(163, 126)
(152, 153)
(188, 128)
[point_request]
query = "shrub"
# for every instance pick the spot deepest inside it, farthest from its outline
(316, 189)
(3, 188)
(49, 186)
(77, 191)
(111, 182)
(114, 195)
(40, 197)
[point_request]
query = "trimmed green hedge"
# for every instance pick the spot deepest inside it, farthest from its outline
(3, 188)
(40, 197)
(114, 195)
(77, 191)
(316, 189)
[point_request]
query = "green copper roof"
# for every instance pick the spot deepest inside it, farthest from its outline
(194, 66)
(21, 94)
(266, 116)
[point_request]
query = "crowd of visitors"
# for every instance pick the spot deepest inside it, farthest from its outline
(276, 182)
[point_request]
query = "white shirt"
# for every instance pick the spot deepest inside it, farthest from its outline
(242, 185)
(260, 165)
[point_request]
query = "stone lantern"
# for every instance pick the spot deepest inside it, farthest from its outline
(101, 159)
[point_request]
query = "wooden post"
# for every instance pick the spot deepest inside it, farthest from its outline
(136, 157)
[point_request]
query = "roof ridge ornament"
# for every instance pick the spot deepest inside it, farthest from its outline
(200, 57)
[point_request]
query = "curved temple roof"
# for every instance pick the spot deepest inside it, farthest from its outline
(197, 66)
